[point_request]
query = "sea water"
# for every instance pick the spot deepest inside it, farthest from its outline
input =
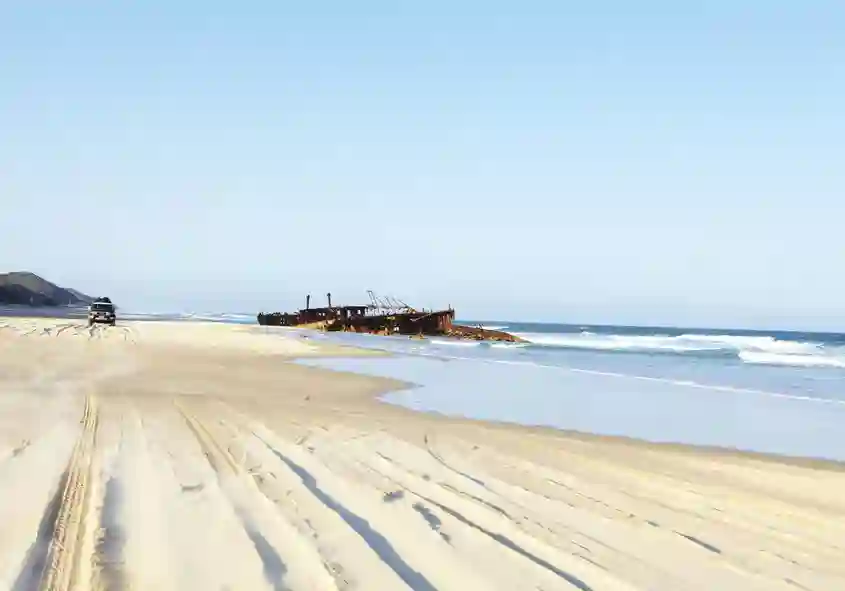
(777, 392)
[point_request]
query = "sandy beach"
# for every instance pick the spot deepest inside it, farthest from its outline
(166, 455)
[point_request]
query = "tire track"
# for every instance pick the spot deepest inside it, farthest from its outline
(362, 543)
(62, 328)
(685, 509)
(647, 564)
(65, 558)
(526, 538)
(507, 542)
(27, 520)
(431, 451)
(284, 555)
(138, 525)
(129, 334)
(108, 554)
(335, 545)
(381, 527)
(374, 539)
(220, 460)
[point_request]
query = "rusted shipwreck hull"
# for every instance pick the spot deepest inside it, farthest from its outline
(375, 320)
(360, 319)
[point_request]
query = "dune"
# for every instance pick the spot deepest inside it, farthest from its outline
(166, 455)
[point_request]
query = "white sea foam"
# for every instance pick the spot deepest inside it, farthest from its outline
(509, 345)
(758, 350)
(598, 342)
(763, 358)
(755, 343)
(688, 342)
(455, 343)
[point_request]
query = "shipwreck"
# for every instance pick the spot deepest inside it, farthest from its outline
(383, 316)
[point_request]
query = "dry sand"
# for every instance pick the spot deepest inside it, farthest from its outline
(161, 456)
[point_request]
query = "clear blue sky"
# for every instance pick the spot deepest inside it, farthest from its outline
(648, 162)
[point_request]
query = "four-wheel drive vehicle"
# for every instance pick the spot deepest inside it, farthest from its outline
(102, 310)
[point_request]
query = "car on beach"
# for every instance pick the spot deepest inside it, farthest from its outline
(102, 311)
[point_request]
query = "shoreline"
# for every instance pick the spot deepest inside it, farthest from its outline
(209, 444)
(340, 351)
(418, 405)
(586, 436)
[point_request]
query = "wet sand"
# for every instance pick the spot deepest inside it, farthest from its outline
(165, 455)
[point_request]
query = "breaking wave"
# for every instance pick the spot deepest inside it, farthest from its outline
(760, 350)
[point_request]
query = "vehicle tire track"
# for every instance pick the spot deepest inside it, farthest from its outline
(647, 565)
(65, 554)
(374, 539)
(108, 556)
(383, 526)
(26, 524)
(62, 328)
(276, 542)
(372, 555)
(129, 334)
(433, 453)
(484, 524)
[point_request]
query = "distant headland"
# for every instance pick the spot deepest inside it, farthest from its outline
(23, 288)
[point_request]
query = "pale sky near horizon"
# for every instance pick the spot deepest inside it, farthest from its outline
(653, 162)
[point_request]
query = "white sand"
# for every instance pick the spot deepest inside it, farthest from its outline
(192, 456)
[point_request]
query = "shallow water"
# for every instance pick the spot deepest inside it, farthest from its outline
(717, 400)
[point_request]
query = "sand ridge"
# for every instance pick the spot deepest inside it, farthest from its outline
(156, 455)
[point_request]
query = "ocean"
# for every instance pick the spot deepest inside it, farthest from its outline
(778, 392)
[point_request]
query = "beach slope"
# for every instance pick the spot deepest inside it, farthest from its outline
(157, 455)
